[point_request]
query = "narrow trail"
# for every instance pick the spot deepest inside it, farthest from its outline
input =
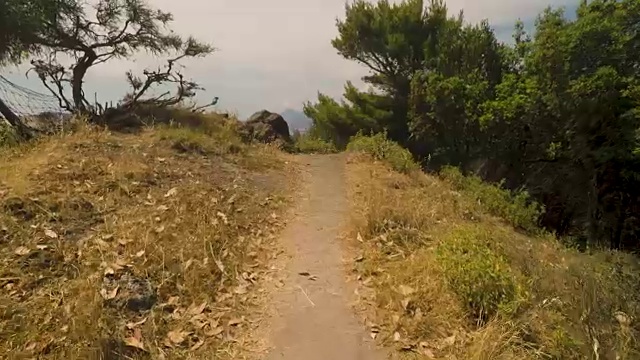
(313, 318)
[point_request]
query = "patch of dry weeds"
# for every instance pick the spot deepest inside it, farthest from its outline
(440, 278)
(123, 246)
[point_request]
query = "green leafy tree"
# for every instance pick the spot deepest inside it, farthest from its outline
(555, 112)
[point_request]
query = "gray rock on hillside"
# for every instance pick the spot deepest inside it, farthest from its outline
(265, 126)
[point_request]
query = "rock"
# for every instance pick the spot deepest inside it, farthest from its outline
(120, 119)
(265, 126)
(132, 293)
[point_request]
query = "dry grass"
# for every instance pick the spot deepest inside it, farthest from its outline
(443, 279)
(133, 246)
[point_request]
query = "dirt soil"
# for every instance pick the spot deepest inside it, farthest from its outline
(313, 318)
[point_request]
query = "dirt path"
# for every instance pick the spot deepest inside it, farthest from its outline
(313, 318)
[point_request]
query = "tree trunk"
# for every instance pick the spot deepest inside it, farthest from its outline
(79, 71)
(14, 120)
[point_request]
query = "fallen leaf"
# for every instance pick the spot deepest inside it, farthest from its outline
(622, 318)
(50, 234)
(405, 303)
(450, 340)
(140, 253)
(133, 325)
(197, 345)
(396, 336)
(219, 265)
(196, 309)
(22, 250)
(107, 237)
(417, 314)
(171, 192)
(223, 217)
(359, 258)
(163, 208)
(214, 331)
(188, 264)
(101, 243)
(135, 340)
(108, 295)
(177, 337)
(428, 353)
(173, 300)
(406, 290)
(373, 335)
(199, 321)
(234, 322)
(359, 238)
(159, 229)
(109, 271)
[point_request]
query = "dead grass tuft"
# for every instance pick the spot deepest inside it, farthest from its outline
(129, 246)
(443, 278)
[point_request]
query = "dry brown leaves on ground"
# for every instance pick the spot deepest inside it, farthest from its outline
(119, 247)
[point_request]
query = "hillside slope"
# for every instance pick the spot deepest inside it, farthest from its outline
(441, 277)
(136, 246)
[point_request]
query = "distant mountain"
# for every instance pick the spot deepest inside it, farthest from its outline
(296, 119)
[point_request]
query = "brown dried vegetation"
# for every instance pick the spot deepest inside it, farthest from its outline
(135, 246)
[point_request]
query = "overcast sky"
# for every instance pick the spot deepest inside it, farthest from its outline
(276, 54)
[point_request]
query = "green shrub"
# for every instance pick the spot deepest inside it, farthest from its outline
(383, 149)
(481, 278)
(8, 136)
(516, 207)
(308, 144)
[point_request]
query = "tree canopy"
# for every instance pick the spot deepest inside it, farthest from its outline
(555, 112)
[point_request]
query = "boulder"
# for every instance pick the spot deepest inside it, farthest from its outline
(265, 126)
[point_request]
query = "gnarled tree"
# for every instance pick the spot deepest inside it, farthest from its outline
(116, 29)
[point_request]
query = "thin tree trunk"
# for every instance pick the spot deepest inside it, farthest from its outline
(14, 120)
(79, 71)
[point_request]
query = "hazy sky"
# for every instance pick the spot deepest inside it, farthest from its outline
(275, 54)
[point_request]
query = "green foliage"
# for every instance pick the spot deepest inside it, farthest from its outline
(516, 207)
(8, 136)
(481, 278)
(383, 149)
(338, 122)
(310, 144)
(556, 113)
(22, 22)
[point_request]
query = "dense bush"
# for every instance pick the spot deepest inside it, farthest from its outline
(516, 207)
(309, 144)
(383, 149)
(481, 278)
